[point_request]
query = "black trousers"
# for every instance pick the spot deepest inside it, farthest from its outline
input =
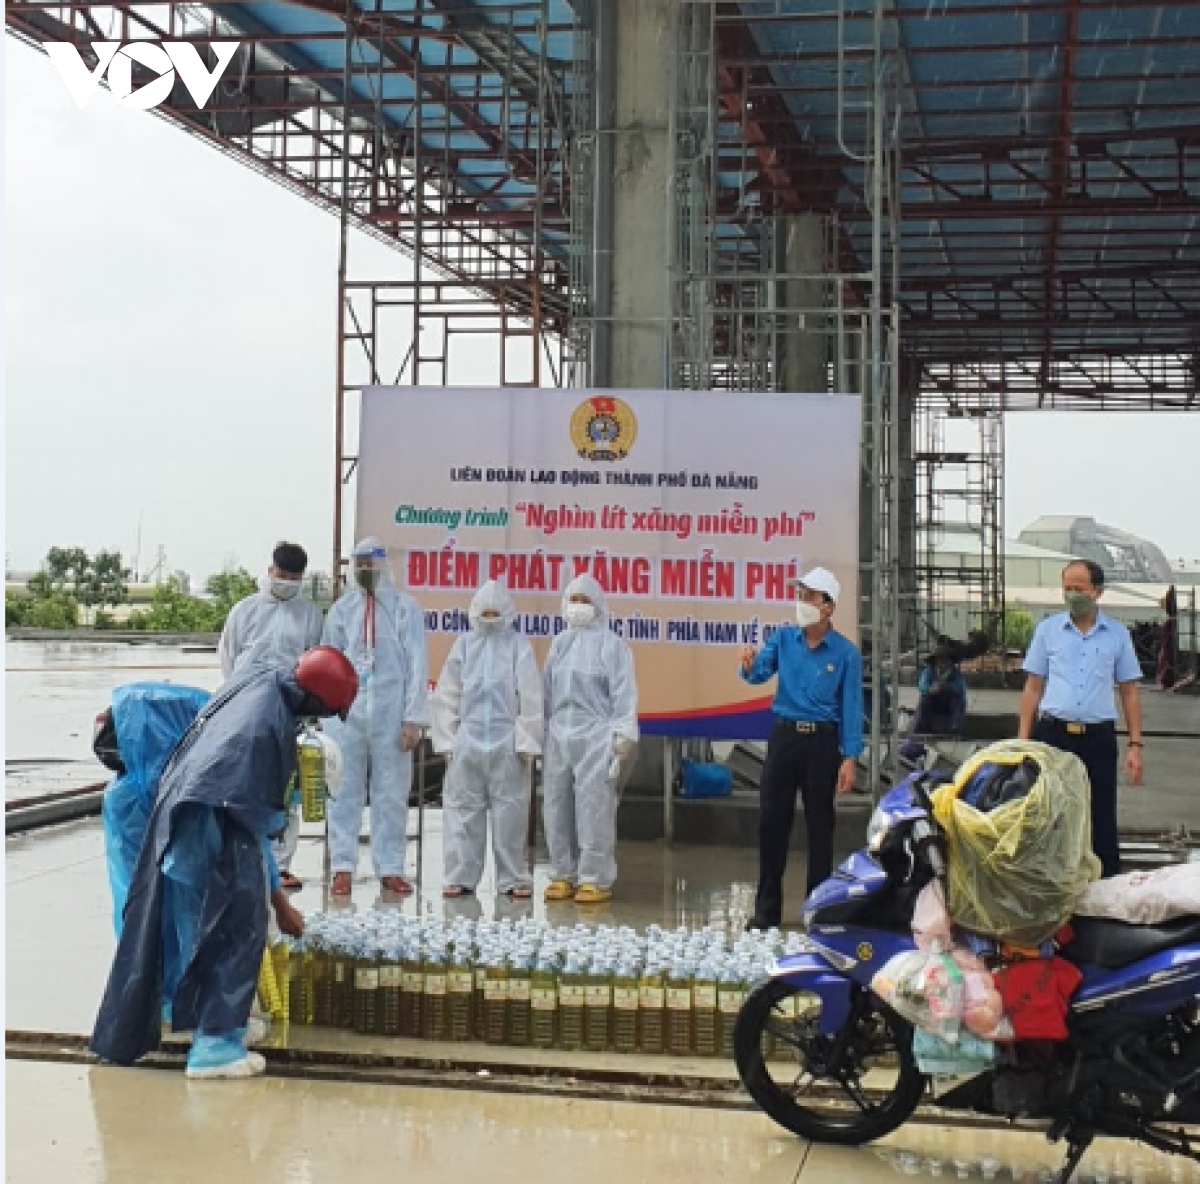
(807, 762)
(1097, 748)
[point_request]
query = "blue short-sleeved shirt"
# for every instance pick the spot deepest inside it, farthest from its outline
(1081, 669)
(817, 685)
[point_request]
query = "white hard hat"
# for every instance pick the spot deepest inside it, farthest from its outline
(821, 579)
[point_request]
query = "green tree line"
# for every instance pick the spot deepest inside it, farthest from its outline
(74, 588)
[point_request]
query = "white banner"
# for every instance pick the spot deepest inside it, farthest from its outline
(693, 509)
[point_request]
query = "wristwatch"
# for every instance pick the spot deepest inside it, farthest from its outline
(1136, 744)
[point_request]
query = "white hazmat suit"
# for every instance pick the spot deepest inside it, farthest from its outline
(269, 629)
(382, 632)
(592, 731)
(486, 715)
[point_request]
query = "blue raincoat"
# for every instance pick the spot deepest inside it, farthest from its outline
(195, 922)
(150, 718)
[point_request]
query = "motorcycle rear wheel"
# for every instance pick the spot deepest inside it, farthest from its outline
(846, 1113)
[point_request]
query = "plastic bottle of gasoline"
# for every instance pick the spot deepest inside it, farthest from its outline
(301, 996)
(652, 1003)
(478, 1022)
(597, 1007)
(460, 986)
(570, 1003)
(679, 1010)
(366, 990)
(495, 999)
(342, 973)
(310, 769)
(433, 994)
(625, 1008)
(322, 976)
(390, 980)
(543, 1003)
(412, 988)
(520, 998)
(704, 1010)
(731, 993)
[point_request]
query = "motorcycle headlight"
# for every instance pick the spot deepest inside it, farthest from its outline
(877, 830)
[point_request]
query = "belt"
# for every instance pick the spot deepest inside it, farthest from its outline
(807, 727)
(1074, 728)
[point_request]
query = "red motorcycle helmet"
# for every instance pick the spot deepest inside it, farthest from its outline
(326, 673)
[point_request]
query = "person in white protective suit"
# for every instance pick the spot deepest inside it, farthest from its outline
(382, 631)
(486, 716)
(273, 628)
(591, 739)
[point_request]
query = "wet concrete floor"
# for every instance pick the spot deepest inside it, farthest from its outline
(53, 692)
(59, 913)
(67, 1122)
(98, 1125)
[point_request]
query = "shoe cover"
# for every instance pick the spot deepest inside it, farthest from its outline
(252, 1064)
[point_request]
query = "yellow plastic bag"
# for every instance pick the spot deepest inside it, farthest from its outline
(1018, 872)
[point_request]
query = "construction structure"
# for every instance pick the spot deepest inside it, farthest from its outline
(956, 209)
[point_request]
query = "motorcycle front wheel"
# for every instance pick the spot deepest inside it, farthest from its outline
(816, 1085)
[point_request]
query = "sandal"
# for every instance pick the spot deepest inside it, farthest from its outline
(593, 894)
(519, 892)
(343, 884)
(454, 891)
(397, 885)
(559, 890)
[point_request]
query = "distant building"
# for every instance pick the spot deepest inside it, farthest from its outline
(1186, 573)
(1124, 557)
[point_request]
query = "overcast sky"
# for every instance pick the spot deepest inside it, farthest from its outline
(170, 328)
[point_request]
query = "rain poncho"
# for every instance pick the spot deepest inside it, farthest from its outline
(1016, 872)
(150, 719)
(591, 712)
(487, 712)
(196, 918)
(383, 635)
(272, 632)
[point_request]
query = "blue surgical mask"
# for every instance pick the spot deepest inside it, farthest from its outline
(285, 589)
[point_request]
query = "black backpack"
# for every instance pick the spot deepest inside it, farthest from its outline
(104, 742)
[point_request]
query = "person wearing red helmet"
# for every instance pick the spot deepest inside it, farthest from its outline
(195, 923)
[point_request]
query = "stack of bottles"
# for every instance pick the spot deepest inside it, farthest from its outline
(524, 983)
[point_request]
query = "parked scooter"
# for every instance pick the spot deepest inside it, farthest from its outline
(1130, 1068)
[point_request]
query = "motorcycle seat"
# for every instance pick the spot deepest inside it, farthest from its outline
(1111, 944)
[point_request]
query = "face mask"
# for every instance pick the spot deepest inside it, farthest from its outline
(490, 624)
(367, 578)
(1079, 604)
(579, 615)
(807, 614)
(285, 589)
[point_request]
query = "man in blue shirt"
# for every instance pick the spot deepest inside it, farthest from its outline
(816, 741)
(1074, 661)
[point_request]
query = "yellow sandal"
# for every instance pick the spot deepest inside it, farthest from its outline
(593, 894)
(559, 890)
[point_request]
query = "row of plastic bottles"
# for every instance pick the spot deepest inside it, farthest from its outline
(603, 989)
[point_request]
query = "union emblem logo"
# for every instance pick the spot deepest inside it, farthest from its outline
(603, 428)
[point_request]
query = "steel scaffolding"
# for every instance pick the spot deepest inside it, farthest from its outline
(743, 313)
(498, 275)
(959, 466)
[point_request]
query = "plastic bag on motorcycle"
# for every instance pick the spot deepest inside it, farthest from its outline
(1017, 871)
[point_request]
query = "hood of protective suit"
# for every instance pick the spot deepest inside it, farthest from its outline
(492, 595)
(374, 550)
(589, 586)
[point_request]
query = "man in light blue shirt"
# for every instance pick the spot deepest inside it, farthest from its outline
(816, 741)
(1074, 663)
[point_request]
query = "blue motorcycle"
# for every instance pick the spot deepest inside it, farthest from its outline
(1130, 1068)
